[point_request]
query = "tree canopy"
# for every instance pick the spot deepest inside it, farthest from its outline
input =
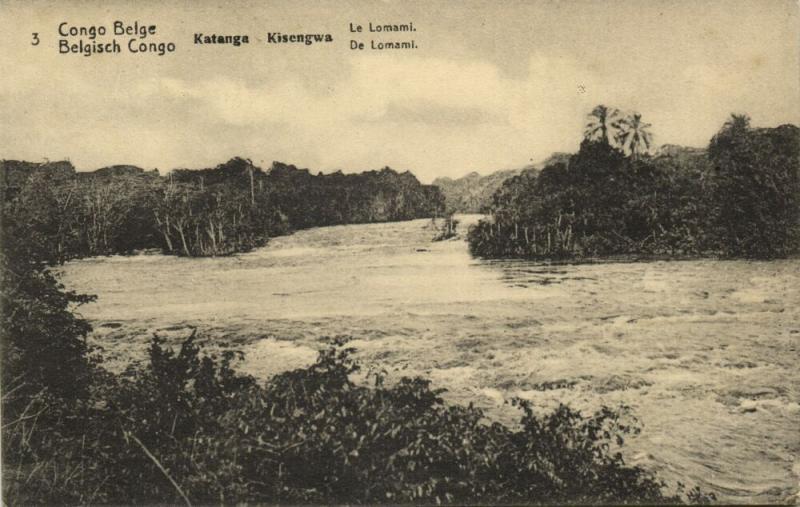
(738, 198)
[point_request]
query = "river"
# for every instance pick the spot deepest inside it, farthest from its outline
(704, 352)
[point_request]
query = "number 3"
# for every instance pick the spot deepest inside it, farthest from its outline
(35, 41)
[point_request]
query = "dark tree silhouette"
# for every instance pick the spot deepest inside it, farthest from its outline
(633, 135)
(601, 121)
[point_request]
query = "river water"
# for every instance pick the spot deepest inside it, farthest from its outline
(704, 352)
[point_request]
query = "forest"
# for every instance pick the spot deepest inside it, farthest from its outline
(231, 208)
(738, 198)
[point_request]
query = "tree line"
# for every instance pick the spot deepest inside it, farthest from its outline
(231, 208)
(739, 198)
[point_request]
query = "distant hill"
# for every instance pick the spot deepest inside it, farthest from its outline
(473, 193)
(681, 154)
(676, 150)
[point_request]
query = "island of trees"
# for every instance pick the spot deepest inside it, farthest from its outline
(739, 198)
(231, 208)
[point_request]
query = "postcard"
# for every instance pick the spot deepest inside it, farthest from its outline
(383, 252)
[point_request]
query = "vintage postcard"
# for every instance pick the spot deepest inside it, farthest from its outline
(383, 252)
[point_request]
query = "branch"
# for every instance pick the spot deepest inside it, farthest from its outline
(160, 467)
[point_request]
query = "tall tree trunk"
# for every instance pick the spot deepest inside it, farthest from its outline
(179, 227)
(212, 235)
(252, 188)
(163, 227)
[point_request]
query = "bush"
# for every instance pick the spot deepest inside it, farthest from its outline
(187, 427)
(44, 345)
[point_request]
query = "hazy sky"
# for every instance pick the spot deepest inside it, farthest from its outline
(493, 85)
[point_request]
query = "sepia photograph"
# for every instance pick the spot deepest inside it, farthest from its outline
(385, 252)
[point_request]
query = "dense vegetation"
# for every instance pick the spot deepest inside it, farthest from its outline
(231, 208)
(738, 198)
(186, 427)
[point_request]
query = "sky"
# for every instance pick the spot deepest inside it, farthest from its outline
(492, 85)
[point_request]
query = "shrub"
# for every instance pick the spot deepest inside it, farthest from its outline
(44, 345)
(187, 427)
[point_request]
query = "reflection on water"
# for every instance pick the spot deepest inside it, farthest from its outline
(705, 352)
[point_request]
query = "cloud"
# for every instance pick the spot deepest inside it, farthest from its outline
(425, 114)
(489, 90)
(430, 113)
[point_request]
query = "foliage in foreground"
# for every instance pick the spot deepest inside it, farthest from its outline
(188, 428)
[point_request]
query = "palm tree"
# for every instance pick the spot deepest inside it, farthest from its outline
(633, 135)
(737, 123)
(734, 128)
(600, 120)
